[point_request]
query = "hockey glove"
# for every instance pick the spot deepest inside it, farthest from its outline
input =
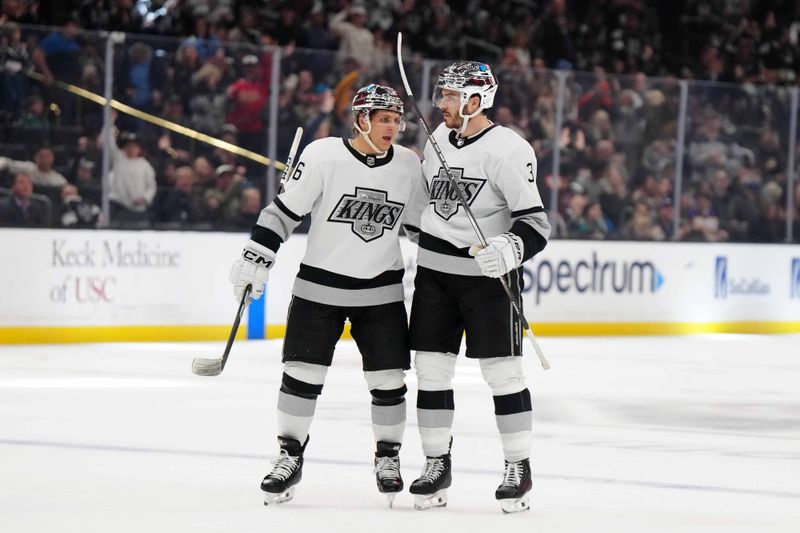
(501, 255)
(252, 268)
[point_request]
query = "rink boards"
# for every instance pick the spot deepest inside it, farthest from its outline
(81, 286)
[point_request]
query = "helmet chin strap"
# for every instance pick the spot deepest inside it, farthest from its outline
(365, 134)
(465, 120)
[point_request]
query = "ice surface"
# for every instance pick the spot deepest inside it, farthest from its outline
(648, 434)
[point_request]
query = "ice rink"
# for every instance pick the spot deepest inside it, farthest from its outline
(630, 434)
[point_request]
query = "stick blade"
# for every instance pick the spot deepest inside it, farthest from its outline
(207, 367)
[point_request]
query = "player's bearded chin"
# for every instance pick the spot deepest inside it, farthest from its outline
(453, 121)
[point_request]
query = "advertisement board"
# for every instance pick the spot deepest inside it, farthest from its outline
(62, 286)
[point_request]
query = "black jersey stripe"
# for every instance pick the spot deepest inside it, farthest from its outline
(266, 237)
(523, 212)
(435, 244)
(372, 161)
(461, 143)
(286, 211)
(340, 281)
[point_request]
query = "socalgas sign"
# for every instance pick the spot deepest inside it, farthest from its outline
(733, 283)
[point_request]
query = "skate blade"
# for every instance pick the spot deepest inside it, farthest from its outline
(515, 505)
(423, 502)
(275, 498)
(390, 499)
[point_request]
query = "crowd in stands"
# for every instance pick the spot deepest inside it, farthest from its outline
(208, 65)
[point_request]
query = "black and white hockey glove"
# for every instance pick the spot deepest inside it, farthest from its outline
(252, 268)
(501, 255)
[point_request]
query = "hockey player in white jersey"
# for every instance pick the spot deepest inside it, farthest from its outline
(356, 191)
(454, 287)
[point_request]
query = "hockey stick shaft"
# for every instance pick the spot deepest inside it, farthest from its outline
(461, 198)
(236, 322)
(214, 367)
(298, 134)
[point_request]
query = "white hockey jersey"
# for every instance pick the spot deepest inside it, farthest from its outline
(496, 170)
(357, 204)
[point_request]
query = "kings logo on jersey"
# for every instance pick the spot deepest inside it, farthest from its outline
(369, 213)
(444, 197)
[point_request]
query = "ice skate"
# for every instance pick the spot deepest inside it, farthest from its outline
(513, 491)
(430, 489)
(387, 470)
(279, 484)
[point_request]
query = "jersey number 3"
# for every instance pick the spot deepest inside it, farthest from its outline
(530, 170)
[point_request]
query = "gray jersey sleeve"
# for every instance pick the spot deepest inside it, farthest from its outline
(281, 217)
(516, 181)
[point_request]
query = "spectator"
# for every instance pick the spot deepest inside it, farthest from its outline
(703, 222)
(86, 180)
(56, 58)
(355, 40)
(556, 40)
(249, 209)
(248, 96)
(642, 225)
(208, 103)
(132, 183)
(140, 88)
(315, 34)
(75, 211)
(20, 209)
(204, 171)
(614, 198)
(246, 29)
(666, 220)
(593, 224)
(226, 157)
(14, 62)
(124, 17)
(505, 117)
(35, 116)
(223, 199)
(40, 170)
(203, 39)
(181, 204)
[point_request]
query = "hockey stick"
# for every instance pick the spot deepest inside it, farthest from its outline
(214, 367)
(290, 159)
(517, 308)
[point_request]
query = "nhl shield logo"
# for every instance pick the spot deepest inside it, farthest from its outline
(369, 212)
(371, 161)
(444, 197)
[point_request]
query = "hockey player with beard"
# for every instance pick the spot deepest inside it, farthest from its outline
(356, 191)
(455, 290)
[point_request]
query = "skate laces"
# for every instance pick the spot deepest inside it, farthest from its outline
(387, 467)
(434, 466)
(513, 475)
(285, 465)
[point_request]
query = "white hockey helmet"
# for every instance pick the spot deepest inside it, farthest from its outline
(469, 78)
(372, 98)
(375, 97)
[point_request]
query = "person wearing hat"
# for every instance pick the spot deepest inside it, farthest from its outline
(248, 97)
(222, 200)
(665, 217)
(132, 181)
(349, 26)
